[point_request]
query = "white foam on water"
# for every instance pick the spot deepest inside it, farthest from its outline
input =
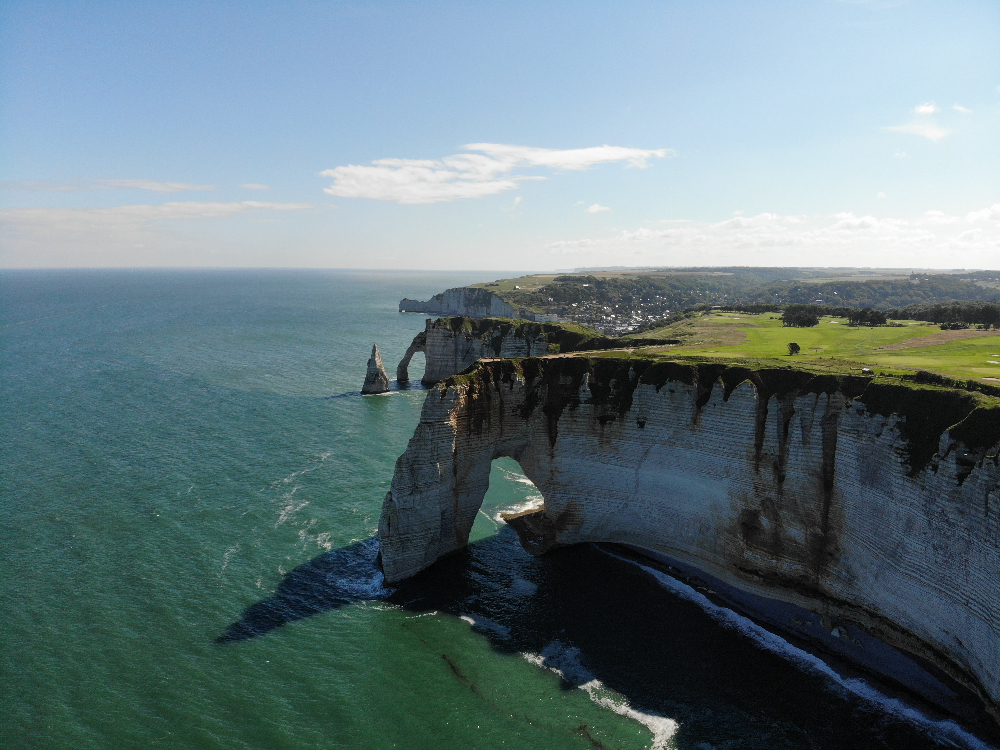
(322, 457)
(532, 502)
(516, 476)
(489, 518)
(322, 540)
(484, 623)
(939, 730)
(229, 553)
(290, 506)
(361, 576)
(565, 661)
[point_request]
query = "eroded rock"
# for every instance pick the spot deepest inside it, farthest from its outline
(821, 492)
(376, 380)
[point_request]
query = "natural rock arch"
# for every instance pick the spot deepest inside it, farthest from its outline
(419, 344)
(847, 498)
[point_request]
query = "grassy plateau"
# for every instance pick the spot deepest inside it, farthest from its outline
(834, 344)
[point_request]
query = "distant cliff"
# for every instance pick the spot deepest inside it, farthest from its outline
(861, 516)
(471, 302)
(450, 345)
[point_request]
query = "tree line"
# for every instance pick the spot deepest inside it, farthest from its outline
(970, 312)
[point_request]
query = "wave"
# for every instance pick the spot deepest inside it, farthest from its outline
(944, 731)
(565, 661)
(532, 502)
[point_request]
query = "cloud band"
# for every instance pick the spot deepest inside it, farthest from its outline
(485, 169)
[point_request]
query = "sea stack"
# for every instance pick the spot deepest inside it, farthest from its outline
(376, 381)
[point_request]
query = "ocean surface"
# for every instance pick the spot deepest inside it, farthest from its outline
(190, 490)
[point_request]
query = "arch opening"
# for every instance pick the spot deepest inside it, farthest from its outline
(419, 367)
(509, 492)
(419, 344)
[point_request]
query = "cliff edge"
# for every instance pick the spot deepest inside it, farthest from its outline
(868, 511)
(451, 345)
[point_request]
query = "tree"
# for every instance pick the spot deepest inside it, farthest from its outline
(800, 316)
(793, 348)
(866, 316)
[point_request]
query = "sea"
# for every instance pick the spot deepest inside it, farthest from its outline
(190, 492)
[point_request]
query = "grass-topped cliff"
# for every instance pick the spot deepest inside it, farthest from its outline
(562, 337)
(905, 346)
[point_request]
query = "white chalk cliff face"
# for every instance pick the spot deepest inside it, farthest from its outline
(849, 499)
(376, 378)
(470, 301)
(449, 349)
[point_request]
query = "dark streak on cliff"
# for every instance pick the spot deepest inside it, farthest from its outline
(554, 383)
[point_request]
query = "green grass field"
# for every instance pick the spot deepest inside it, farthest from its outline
(833, 341)
(526, 283)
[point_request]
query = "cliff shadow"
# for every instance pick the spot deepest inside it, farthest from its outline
(343, 576)
(592, 616)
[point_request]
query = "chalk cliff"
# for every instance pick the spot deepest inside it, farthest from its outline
(376, 379)
(450, 345)
(871, 509)
(472, 302)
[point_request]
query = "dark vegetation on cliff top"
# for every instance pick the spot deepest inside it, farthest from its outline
(640, 300)
(561, 337)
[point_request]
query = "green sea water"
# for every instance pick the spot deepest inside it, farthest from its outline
(189, 495)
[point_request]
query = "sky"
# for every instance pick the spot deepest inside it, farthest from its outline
(479, 136)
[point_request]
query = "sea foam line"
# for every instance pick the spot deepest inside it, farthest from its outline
(565, 661)
(940, 730)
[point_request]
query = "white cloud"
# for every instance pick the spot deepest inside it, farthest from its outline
(255, 186)
(597, 208)
(960, 108)
(880, 194)
(64, 236)
(932, 240)
(514, 204)
(40, 185)
(573, 158)
(470, 175)
(925, 129)
(140, 214)
(900, 154)
(922, 126)
(150, 185)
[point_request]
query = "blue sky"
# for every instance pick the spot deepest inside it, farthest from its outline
(528, 136)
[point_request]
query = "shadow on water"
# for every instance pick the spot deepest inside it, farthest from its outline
(593, 616)
(343, 576)
(394, 386)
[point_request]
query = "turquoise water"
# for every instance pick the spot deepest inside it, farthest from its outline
(190, 491)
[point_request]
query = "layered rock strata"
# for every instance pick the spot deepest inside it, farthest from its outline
(871, 509)
(376, 379)
(450, 345)
(468, 301)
